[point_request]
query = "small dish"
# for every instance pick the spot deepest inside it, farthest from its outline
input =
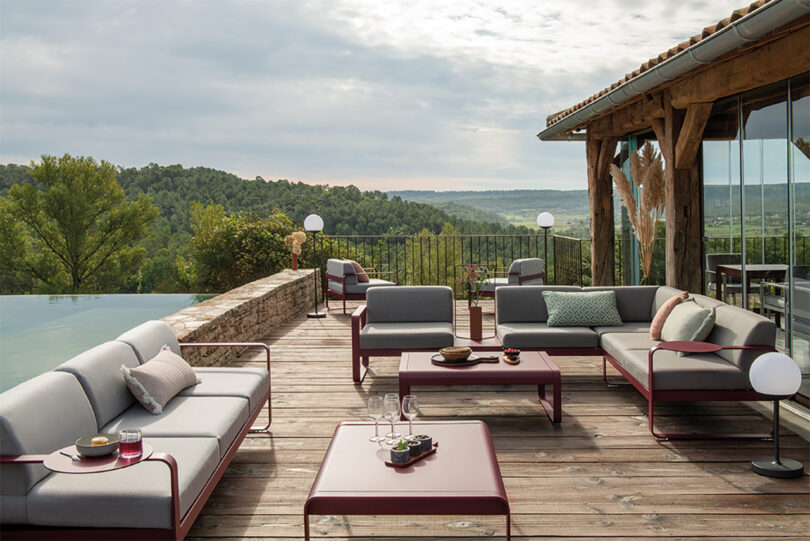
(86, 448)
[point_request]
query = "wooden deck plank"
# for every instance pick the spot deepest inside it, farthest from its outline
(598, 475)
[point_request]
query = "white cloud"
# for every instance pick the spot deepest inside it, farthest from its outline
(438, 93)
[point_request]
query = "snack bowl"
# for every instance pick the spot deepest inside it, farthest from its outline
(86, 448)
(455, 353)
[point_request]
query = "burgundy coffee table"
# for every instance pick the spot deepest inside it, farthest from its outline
(535, 368)
(461, 478)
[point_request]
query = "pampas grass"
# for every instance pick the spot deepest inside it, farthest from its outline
(647, 170)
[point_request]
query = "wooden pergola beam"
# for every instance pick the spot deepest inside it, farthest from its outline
(600, 154)
(691, 134)
(780, 59)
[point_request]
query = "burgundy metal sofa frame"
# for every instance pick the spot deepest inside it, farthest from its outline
(180, 524)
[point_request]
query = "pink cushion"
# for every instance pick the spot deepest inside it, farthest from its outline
(359, 271)
(663, 313)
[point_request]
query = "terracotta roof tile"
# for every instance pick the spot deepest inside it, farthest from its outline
(652, 62)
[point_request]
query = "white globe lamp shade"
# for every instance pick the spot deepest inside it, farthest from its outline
(545, 220)
(775, 374)
(313, 222)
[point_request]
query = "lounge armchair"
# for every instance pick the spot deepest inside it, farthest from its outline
(528, 271)
(397, 319)
(194, 440)
(344, 282)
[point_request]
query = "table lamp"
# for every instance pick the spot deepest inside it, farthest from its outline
(314, 223)
(777, 376)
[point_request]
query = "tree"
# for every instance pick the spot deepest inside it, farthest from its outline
(72, 229)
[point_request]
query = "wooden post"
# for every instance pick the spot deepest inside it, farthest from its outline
(599, 154)
(682, 194)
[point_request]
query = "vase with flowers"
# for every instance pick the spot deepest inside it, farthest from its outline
(472, 278)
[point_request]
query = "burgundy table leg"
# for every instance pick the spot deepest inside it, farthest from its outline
(508, 526)
(558, 401)
(306, 526)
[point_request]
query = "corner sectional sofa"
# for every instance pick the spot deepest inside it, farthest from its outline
(194, 440)
(716, 369)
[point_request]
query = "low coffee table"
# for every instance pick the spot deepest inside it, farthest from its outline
(535, 368)
(461, 478)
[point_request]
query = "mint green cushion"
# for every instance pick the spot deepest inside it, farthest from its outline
(582, 309)
(688, 321)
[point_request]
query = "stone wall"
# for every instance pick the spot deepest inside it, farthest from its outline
(245, 314)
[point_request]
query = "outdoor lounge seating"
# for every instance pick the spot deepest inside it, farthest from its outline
(528, 271)
(732, 286)
(397, 319)
(344, 281)
(714, 370)
(194, 440)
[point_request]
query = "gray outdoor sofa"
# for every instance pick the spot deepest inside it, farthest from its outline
(397, 319)
(716, 369)
(194, 440)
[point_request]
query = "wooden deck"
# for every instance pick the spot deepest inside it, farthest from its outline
(598, 475)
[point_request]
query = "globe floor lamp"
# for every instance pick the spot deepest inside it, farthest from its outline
(314, 223)
(546, 221)
(777, 376)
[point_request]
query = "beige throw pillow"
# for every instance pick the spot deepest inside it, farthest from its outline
(661, 315)
(688, 321)
(156, 381)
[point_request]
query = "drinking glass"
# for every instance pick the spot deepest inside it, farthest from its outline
(130, 443)
(375, 411)
(391, 410)
(410, 409)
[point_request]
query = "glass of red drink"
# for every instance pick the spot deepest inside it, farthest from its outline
(130, 443)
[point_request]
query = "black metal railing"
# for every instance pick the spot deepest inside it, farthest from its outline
(428, 259)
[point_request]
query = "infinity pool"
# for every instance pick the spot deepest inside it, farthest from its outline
(39, 332)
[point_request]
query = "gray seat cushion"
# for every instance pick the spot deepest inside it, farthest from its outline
(631, 327)
(361, 287)
(541, 336)
(406, 336)
(489, 285)
(38, 416)
(250, 383)
(135, 497)
(615, 344)
(697, 372)
(99, 372)
(147, 339)
(189, 416)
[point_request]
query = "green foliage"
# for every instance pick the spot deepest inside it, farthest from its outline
(71, 228)
(230, 251)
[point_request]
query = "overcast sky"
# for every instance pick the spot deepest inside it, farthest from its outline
(381, 94)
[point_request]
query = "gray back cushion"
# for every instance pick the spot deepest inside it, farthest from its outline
(633, 302)
(738, 327)
(38, 416)
(524, 304)
(99, 372)
(409, 304)
(662, 295)
(147, 339)
(525, 267)
(340, 267)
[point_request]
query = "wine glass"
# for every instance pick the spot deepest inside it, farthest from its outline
(410, 409)
(391, 411)
(375, 411)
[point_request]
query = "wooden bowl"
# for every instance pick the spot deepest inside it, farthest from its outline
(455, 353)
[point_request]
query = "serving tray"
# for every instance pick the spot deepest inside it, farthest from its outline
(472, 359)
(414, 459)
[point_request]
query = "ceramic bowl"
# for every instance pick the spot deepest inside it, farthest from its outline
(85, 447)
(455, 353)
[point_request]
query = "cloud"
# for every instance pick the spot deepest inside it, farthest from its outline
(438, 93)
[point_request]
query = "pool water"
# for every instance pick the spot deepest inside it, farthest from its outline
(40, 332)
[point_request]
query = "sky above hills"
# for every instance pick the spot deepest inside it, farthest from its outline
(441, 95)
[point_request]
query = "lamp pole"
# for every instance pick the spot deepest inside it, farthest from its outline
(314, 223)
(546, 221)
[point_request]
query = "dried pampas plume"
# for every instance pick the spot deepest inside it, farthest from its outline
(295, 240)
(647, 169)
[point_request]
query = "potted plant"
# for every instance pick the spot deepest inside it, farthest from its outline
(415, 448)
(472, 278)
(426, 441)
(400, 452)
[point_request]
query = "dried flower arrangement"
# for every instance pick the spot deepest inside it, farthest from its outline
(295, 239)
(647, 170)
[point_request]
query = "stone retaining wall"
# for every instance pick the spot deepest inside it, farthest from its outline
(245, 314)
